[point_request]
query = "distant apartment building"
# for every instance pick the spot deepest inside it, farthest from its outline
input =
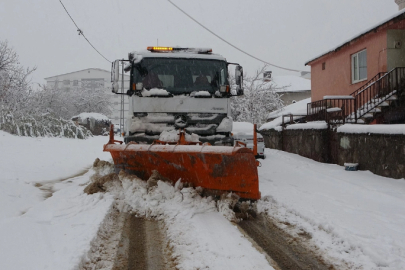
(90, 79)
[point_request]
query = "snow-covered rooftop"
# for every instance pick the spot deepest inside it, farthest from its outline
(298, 108)
(290, 83)
(99, 69)
(396, 15)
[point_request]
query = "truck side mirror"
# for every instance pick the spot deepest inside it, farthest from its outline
(239, 80)
(115, 75)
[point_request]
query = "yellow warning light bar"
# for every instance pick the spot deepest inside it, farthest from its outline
(160, 49)
(190, 50)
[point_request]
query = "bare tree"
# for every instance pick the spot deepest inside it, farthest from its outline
(259, 99)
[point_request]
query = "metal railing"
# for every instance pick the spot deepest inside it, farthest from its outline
(377, 92)
(339, 109)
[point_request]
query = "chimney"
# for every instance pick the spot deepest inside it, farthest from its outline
(400, 3)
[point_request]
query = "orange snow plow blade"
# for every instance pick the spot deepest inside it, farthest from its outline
(216, 168)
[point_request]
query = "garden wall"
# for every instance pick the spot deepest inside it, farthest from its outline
(382, 154)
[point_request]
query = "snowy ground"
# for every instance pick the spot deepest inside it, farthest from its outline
(355, 218)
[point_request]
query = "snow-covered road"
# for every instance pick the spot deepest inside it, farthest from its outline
(354, 216)
(355, 219)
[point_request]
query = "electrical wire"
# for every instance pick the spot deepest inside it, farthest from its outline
(230, 44)
(81, 32)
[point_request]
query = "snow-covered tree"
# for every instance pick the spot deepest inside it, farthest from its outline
(15, 85)
(65, 104)
(259, 99)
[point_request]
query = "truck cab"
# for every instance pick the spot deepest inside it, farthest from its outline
(179, 88)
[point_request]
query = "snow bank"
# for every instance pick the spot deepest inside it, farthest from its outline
(372, 129)
(38, 231)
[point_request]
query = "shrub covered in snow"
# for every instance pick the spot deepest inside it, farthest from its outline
(41, 126)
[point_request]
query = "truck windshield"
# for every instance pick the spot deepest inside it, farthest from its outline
(181, 76)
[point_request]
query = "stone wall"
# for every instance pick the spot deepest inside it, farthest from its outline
(272, 139)
(310, 143)
(382, 154)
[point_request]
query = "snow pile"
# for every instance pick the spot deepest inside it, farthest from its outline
(199, 236)
(156, 92)
(174, 136)
(372, 129)
(41, 126)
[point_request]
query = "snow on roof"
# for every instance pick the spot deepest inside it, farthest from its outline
(99, 69)
(96, 116)
(290, 83)
(298, 108)
(179, 54)
(396, 15)
(373, 129)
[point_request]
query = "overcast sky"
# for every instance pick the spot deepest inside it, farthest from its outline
(284, 32)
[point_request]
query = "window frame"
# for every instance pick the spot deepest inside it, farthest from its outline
(355, 66)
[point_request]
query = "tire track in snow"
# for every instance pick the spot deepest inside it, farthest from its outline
(287, 251)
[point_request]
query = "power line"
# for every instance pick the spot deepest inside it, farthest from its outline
(81, 32)
(230, 44)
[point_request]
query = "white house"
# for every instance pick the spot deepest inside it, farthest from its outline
(92, 78)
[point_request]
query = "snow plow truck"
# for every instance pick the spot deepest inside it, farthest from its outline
(179, 121)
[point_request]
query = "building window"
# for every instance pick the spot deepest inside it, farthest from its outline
(359, 66)
(66, 82)
(75, 83)
(323, 66)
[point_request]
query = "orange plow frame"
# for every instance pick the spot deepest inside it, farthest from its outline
(216, 168)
